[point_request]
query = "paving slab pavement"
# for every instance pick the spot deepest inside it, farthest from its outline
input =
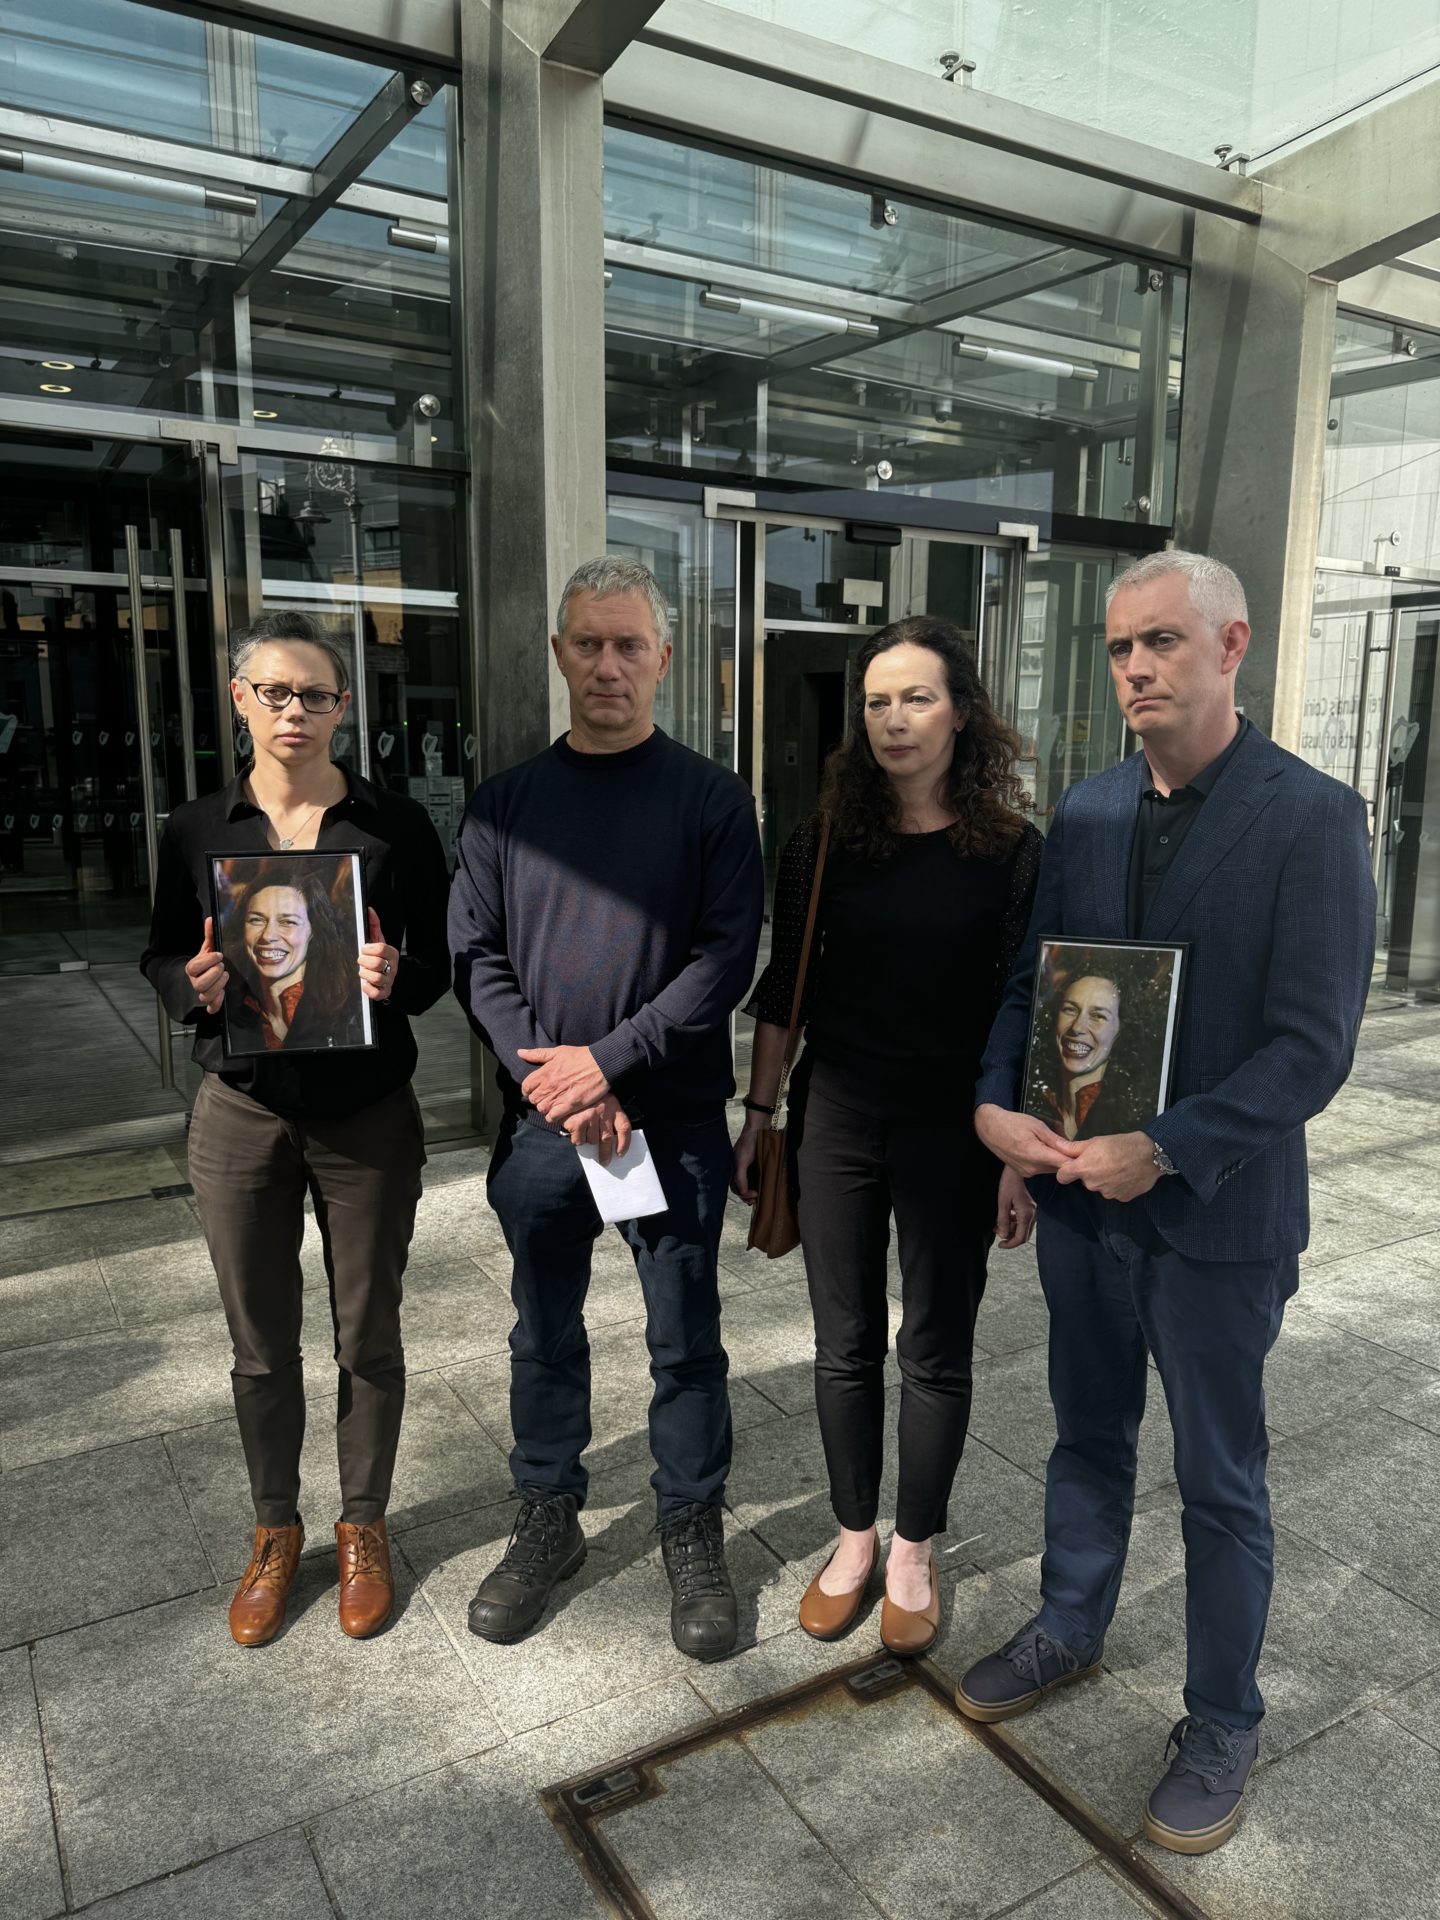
(150, 1768)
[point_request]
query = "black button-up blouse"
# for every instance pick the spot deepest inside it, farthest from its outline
(407, 882)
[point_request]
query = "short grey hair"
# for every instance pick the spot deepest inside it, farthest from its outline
(1215, 592)
(281, 628)
(610, 574)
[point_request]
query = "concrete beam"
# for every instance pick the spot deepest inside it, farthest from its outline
(597, 32)
(425, 30)
(1252, 438)
(1357, 197)
(1408, 295)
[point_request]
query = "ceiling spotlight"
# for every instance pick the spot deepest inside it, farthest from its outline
(54, 386)
(265, 413)
(59, 366)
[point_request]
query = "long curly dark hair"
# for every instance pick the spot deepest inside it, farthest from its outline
(980, 788)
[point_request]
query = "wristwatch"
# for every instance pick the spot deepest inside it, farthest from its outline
(1161, 1160)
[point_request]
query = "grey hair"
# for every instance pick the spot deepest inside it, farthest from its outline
(1215, 592)
(279, 628)
(611, 574)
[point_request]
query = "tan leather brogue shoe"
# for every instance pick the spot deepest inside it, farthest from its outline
(825, 1616)
(258, 1610)
(367, 1586)
(908, 1634)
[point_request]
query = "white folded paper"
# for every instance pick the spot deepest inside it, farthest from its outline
(629, 1188)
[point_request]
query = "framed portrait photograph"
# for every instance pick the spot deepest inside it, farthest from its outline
(291, 926)
(1102, 1034)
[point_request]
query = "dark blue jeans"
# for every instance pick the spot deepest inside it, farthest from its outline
(1115, 1291)
(543, 1203)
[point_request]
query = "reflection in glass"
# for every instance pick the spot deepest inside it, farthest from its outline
(372, 552)
(694, 561)
(770, 326)
(1065, 709)
(1381, 490)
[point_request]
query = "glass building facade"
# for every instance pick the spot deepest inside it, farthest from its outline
(830, 314)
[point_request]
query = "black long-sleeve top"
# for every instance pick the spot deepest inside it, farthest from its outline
(909, 961)
(406, 882)
(611, 901)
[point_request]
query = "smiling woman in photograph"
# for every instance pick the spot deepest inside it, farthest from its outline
(285, 943)
(924, 900)
(1096, 1066)
(277, 1123)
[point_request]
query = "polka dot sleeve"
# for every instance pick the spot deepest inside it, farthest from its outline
(1024, 876)
(775, 989)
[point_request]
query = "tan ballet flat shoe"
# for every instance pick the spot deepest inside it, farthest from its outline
(825, 1616)
(909, 1634)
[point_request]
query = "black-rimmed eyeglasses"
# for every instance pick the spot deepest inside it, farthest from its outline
(277, 697)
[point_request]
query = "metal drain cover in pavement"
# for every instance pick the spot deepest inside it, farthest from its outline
(861, 1793)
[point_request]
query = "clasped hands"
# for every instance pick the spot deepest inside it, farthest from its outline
(1117, 1166)
(568, 1089)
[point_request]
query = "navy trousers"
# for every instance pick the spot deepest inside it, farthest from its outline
(1116, 1290)
(543, 1203)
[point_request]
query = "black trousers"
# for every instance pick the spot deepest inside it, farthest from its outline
(251, 1171)
(540, 1194)
(856, 1163)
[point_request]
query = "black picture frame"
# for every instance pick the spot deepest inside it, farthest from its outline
(1126, 1027)
(330, 916)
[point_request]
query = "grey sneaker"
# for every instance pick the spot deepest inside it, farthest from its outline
(1196, 1807)
(1012, 1680)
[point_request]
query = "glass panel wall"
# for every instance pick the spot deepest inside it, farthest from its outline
(158, 167)
(118, 291)
(1066, 714)
(694, 560)
(1370, 687)
(769, 326)
(1254, 73)
(1380, 503)
(372, 553)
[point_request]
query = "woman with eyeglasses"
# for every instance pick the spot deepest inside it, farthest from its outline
(276, 1125)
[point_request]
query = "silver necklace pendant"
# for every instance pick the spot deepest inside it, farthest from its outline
(286, 843)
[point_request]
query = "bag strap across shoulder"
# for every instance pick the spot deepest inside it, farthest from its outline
(792, 1038)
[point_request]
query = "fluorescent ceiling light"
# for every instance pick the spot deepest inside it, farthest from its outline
(154, 186)
(792, 316)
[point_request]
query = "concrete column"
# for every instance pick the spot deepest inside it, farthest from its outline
(1259, 343)
(532, 258)
(532, 248)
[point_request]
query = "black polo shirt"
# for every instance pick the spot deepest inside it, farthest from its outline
(1160, 829)
(407, 882)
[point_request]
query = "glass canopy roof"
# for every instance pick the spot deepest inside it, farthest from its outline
(1181, 75)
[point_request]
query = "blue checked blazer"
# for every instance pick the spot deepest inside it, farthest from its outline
(1273, 890)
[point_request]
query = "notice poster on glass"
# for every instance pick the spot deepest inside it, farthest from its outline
(291, 926)
(1102, 1034)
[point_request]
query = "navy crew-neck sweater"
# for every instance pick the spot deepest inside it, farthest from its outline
(614, 901)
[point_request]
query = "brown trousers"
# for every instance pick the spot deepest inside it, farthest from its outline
(251, 1170)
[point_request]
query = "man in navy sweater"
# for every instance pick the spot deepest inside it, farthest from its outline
(604, 920)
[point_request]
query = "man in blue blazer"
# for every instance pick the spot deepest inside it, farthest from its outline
(1182, 1239)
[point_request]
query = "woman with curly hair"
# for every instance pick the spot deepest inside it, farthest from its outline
(924, 902)
(1099, 1038)
(285, 948)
